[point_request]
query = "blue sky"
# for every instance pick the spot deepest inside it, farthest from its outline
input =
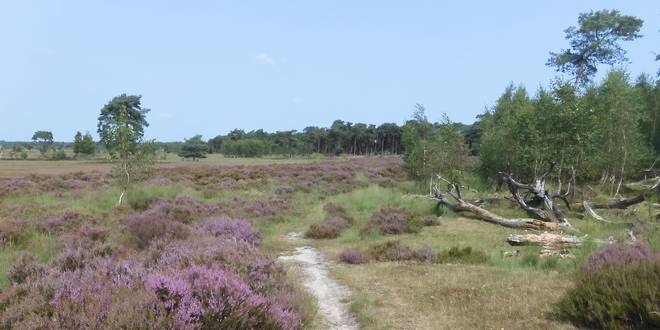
(210, 66)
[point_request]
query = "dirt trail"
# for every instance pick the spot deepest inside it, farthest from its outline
(330, 295)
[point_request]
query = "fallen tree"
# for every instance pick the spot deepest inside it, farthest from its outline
(534, 198)
(460, 205)
(621, 203)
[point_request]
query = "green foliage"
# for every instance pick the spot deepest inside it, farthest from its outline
(595, 41)
(44, 139)
(466, 255)
(246, 148)
(194, 148)
(58, 155)
(83, 144)
(15, 150)
(121, 127)
(341, 138)
(433, 148)
(605, 132)
(122, 121)
(614, 297)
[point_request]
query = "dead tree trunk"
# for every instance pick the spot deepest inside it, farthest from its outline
(534, 198)
(545, 239)
(462, 206)
(626, 202)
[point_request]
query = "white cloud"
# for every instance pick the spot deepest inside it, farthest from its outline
(297, 100)
(264, 59)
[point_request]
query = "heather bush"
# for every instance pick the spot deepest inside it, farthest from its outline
(260, 208)
(392, 221)
(203, 282)
(334, 210)
(620, 254)
(93, 232)
(424, 253)
(15, 184)
(13, 232)
(336, 220)
(429, 221)
(236, 229)
(286, 189)
(78, 253)
(257, 268)
(614, 295)
(147, 226)
(60, 222)
(211, 298)
(465, 255)
(24, 267)
(353, 257)
(391, 251)
(323, 230)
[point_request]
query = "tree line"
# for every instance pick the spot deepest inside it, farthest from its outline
(342, 137)
(606, 130)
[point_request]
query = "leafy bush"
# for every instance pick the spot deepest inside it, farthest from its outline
(58, 155)
(466, 255)
(614, 296)
(392, 221)
(354, 257)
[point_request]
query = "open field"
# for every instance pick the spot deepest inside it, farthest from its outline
(14, 168)
(282, 196)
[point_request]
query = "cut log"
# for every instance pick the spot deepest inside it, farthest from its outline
(546, 239)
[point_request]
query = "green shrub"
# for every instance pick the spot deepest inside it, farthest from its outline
(138, 200)
(466, 255)
(58, 155)
(623, 296)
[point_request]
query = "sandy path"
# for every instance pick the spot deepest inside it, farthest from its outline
(329, 294)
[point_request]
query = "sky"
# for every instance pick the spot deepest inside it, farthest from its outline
(207, 67)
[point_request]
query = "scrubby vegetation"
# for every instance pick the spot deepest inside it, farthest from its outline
(616, 288)
(336, 219)
(541, 214)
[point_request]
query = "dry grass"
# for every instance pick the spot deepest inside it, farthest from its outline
(422, 296)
